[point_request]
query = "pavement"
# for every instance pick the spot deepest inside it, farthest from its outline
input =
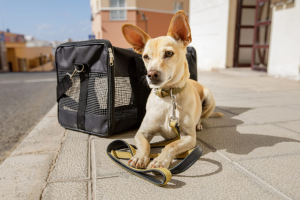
(25, 98)
(253, 152)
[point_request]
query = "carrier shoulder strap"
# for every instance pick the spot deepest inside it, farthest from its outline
(67, 82)
(63, 86)
(83, 95)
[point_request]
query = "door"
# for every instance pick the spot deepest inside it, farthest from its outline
(261, 38)
(244, 31)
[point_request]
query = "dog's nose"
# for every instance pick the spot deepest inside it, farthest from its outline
(152, 75)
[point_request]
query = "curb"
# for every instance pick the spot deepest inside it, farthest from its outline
(24, 174)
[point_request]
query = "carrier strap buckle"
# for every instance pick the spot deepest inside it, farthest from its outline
(76, 70)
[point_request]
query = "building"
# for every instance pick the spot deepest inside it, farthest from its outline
(20, 55)
(260, 34)
(153, 17)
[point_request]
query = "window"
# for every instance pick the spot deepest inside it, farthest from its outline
(177, 6)
(117, 13)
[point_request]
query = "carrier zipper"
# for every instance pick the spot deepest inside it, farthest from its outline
(111, 57)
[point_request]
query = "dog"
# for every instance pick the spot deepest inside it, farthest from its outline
(167, 67)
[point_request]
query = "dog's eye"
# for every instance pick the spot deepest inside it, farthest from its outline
(169, 54)
(146, 57)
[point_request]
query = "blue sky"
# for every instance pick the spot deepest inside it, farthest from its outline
(47, 19)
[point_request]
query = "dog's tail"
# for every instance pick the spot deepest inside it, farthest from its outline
(216, 115)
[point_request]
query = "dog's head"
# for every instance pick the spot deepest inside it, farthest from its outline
(164, 57)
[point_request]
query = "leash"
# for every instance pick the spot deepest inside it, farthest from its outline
(120, 149)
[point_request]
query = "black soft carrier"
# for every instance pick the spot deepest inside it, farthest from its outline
(102, 89)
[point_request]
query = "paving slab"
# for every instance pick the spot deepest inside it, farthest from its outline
(292, 93)
(66, 190)
(260, 102)
(46, 136)
(242, 95)
(210, 177)
(227, 120)
(207, 179)
(76, 135)
(104, 166)
(291, 125)
(273, 114)
(251, 141)
(73, 161)
(282, 172)
(24, 176)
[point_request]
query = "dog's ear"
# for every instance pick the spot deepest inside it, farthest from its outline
(136, 37)
(179, 28)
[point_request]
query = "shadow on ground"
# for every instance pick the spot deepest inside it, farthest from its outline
(230, 138)
(222, 134)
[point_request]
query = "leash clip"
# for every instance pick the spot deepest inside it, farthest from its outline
(74, 73)
(173, 101)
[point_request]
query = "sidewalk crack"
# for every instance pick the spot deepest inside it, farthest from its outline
(63, 139)
(93, 169)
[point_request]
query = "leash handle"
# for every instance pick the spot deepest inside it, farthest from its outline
(121, 144)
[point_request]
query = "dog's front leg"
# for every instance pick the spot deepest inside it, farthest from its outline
(171, 150)
(141, 159)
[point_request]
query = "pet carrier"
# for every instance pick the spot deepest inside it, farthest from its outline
(102, 89)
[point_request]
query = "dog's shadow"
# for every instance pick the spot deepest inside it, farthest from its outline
(224, 133)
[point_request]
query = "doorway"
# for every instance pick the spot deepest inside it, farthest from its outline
(261, 39)
(244, 31)
(252, 34)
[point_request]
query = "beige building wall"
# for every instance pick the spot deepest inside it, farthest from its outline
(12, 48)
(129, 3)
(97, 26)
(32, 52)
(209, 26)
(161, 5)
(284, 56)
(231, 33)
(30, 55)
(111, 30)
(11, 59)
(158, 14)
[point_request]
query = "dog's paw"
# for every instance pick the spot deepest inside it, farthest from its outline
(199, 127)
(139, 162)
(160, 163)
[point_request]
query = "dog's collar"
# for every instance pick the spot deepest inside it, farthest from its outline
(167, 92)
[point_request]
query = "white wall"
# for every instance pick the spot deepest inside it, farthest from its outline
(284, 57)
(209, 26)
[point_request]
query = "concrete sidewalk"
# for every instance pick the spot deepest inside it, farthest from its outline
(253, 152)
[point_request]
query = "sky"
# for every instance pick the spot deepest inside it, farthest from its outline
(52, 20)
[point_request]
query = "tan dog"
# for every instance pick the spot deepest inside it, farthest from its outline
(167, 67)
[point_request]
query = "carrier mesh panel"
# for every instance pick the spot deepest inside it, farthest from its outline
(125, 105)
